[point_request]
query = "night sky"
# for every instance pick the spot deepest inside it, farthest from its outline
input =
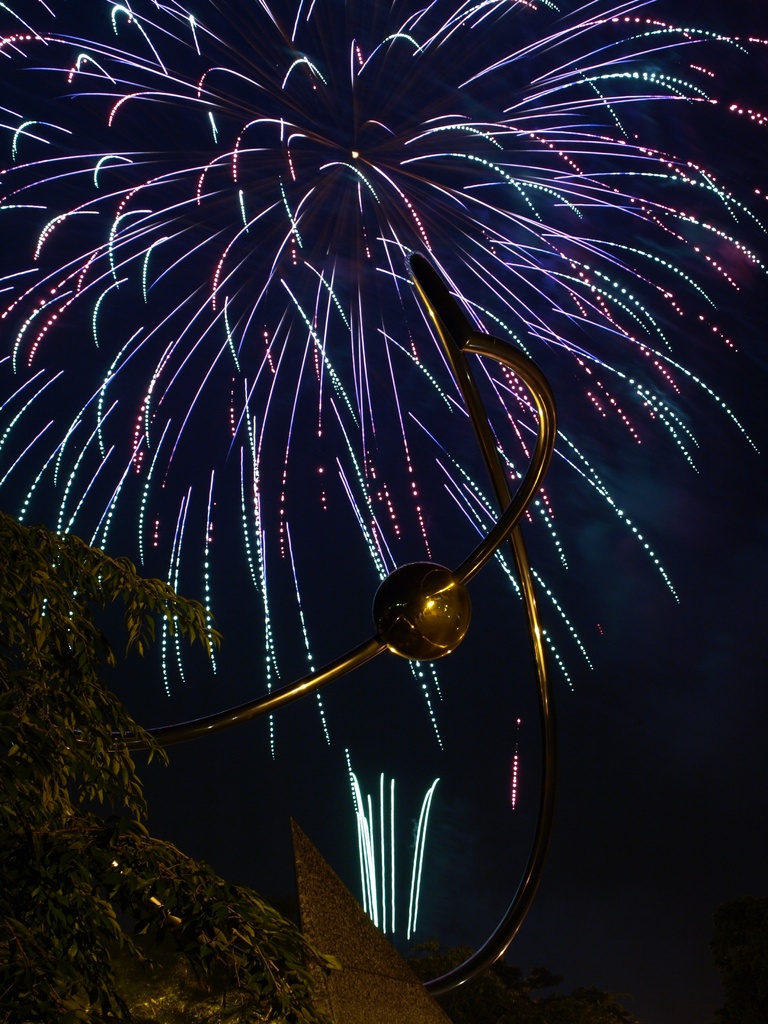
(663, 760)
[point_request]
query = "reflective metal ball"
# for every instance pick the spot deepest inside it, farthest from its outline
(421, 612)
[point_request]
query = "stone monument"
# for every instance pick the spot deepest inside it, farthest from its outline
(375, 984)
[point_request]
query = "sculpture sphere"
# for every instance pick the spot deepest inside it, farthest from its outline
(421, 612)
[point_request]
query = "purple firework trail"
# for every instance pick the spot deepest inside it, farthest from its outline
(208, 332)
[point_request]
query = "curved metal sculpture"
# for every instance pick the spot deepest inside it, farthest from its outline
(421, 611)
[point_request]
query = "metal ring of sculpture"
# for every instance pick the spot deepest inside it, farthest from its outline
(421, 610)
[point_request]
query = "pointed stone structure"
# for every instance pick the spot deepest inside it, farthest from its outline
(375, 985)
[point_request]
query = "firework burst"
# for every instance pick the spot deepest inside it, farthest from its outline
(208, 330)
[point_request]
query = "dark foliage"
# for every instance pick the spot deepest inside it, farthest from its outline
(503, 995)
(76, 861)
(740, 952)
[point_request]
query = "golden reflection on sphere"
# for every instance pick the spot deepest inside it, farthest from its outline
(421, 612)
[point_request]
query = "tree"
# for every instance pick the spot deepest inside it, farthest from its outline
(78, 870)
(170, 991)
(502, 995)
(740, 952)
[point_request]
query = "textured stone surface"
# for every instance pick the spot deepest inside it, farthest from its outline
(375, 986)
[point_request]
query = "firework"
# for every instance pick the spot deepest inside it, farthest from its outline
(378, 844)
(212, 355)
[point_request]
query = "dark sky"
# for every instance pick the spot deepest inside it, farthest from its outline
(663, 761)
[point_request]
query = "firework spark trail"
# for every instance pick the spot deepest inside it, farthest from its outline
(514, 781)
(378, 850)
(214, 212)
